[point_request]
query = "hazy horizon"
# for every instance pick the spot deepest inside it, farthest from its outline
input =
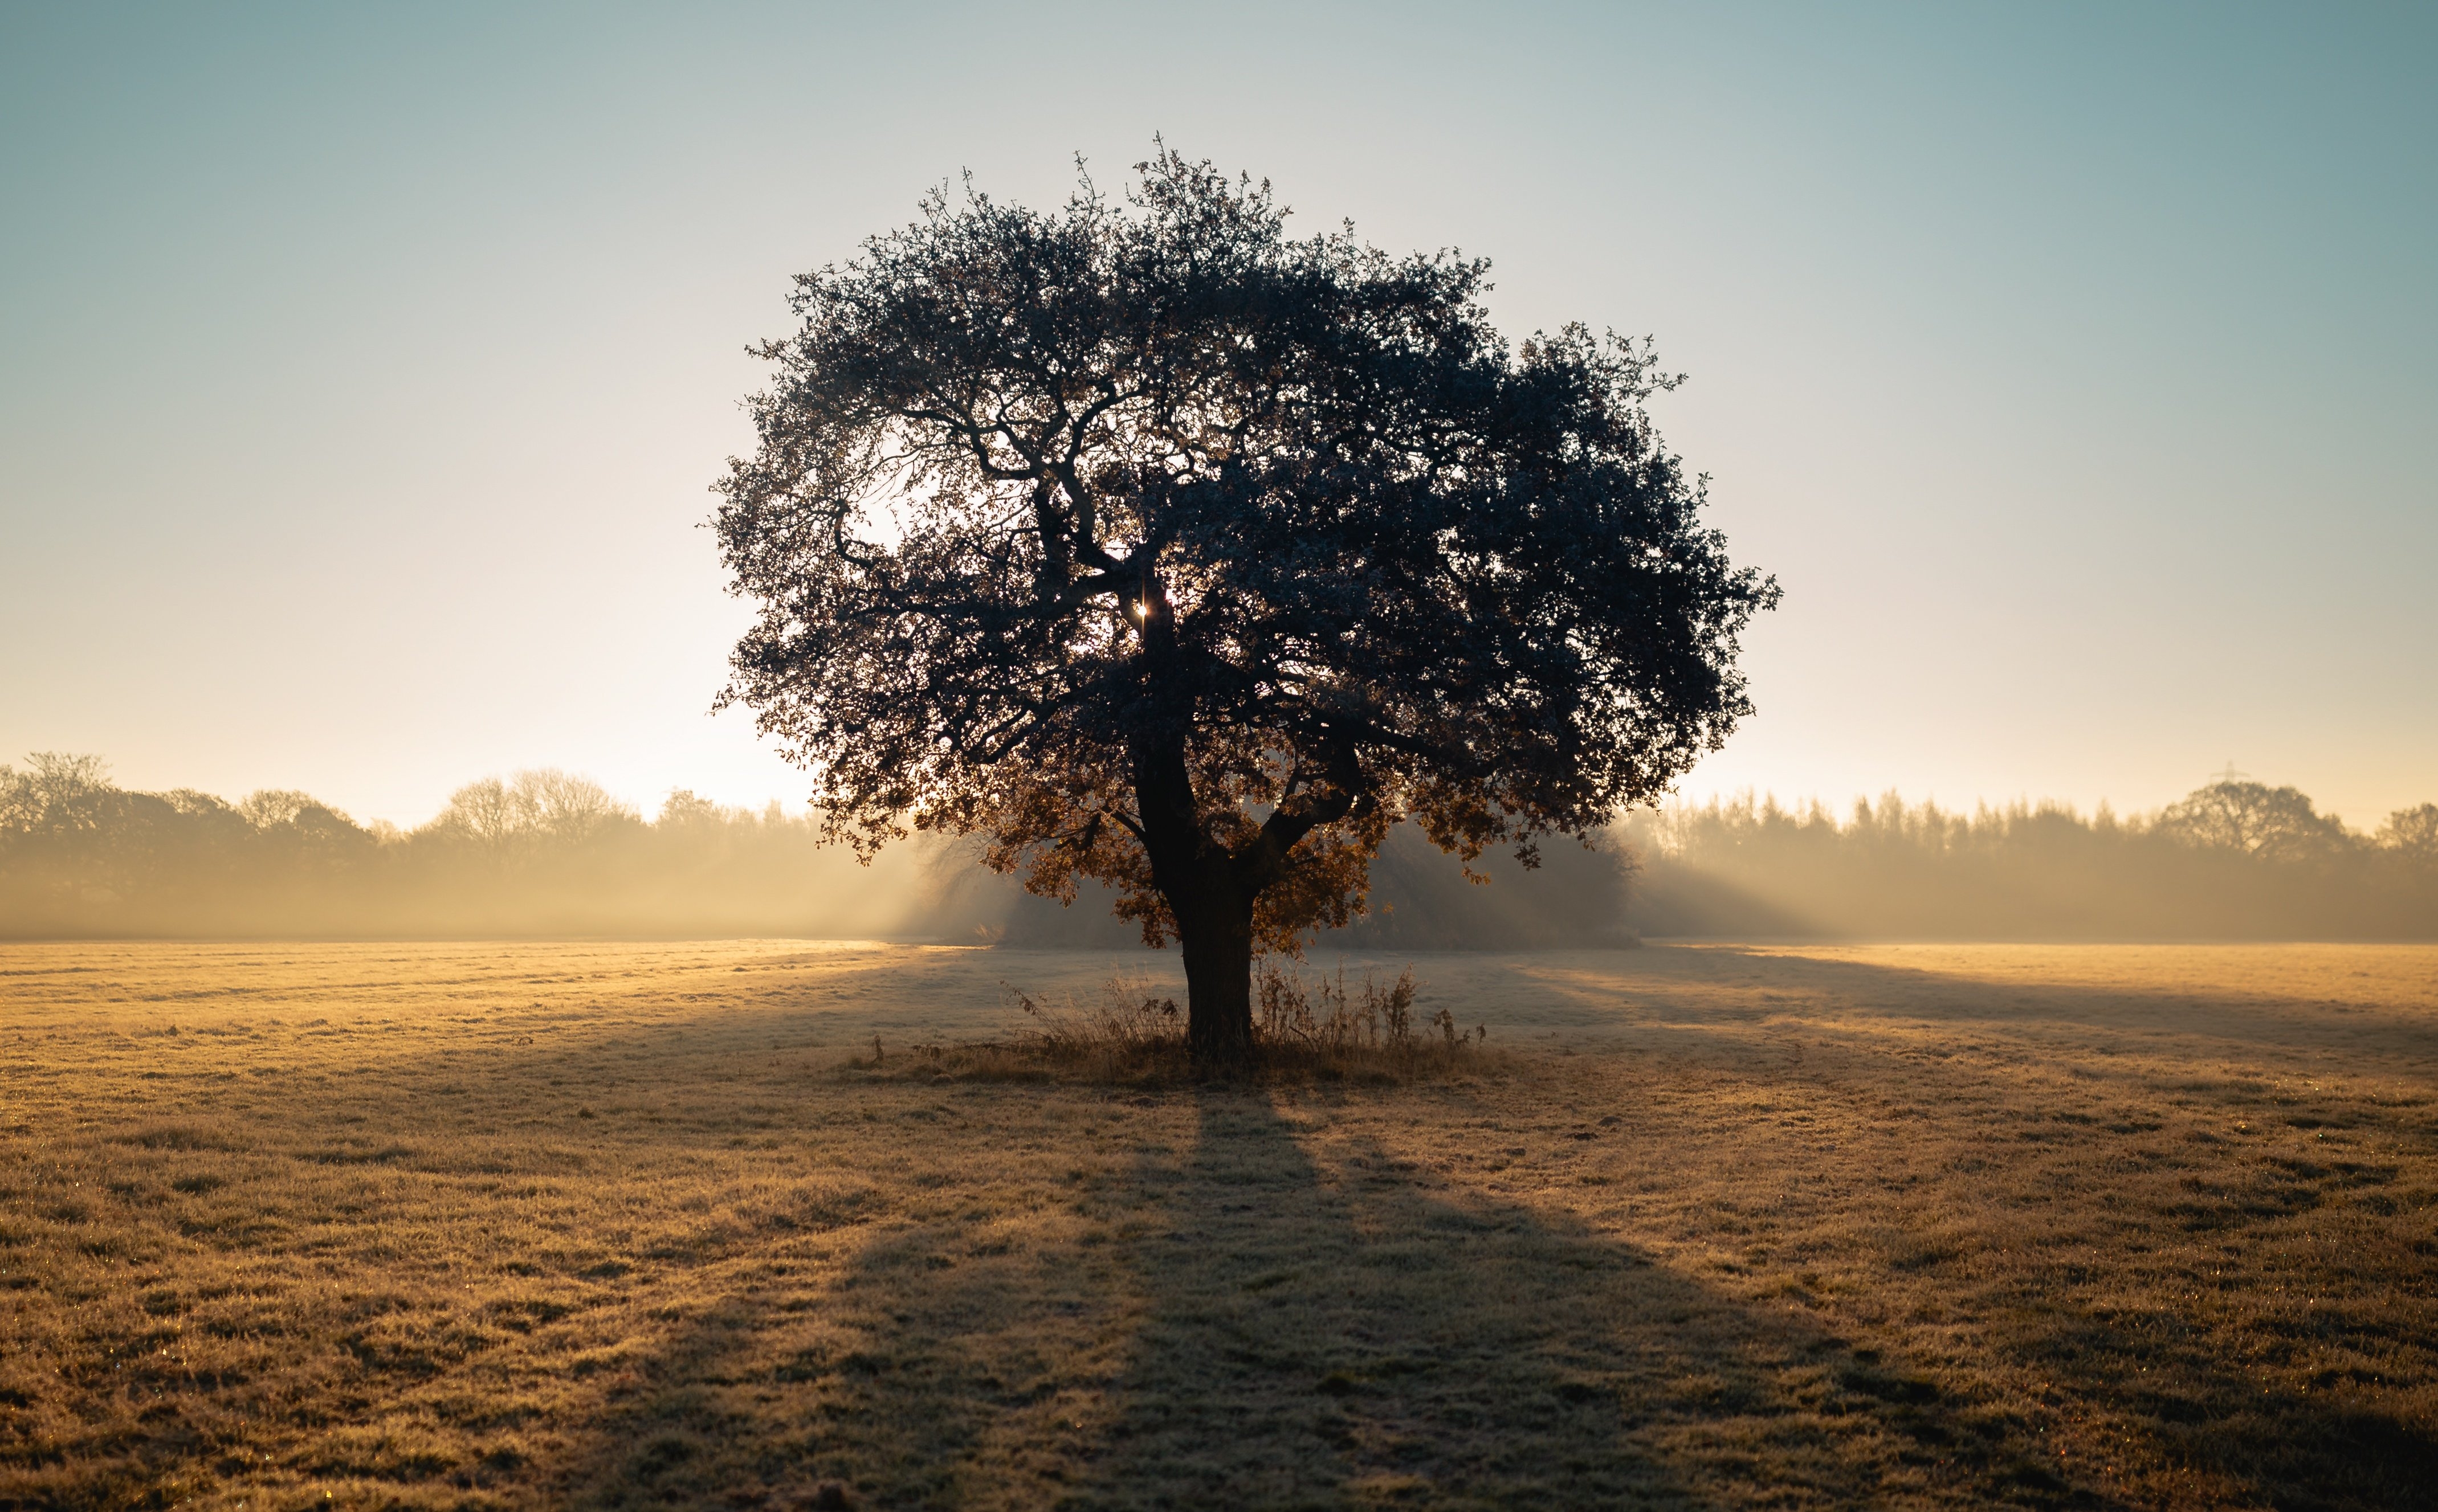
(366, 371)
(550, 854)
(1839, 808)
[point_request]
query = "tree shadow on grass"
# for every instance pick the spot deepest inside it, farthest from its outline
(1342, 1330)
(1331, 1326)
(1724, 984)
(1238, 1322)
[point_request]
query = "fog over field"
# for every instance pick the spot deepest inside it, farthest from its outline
(544, 853)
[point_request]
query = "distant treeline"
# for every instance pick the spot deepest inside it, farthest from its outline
(542, 853)
(545, 854)
(2234, 860)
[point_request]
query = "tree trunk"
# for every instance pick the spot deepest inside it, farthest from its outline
(1216, 940)
(1212, 906)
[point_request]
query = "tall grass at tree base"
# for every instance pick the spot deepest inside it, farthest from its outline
(1317, 1028)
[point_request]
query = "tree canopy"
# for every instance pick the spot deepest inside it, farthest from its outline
(1154, 545)
(2254, 819)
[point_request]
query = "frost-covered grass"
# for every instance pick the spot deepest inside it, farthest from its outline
(610, 1224)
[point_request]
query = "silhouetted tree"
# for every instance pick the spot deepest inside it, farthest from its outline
(537, 810)
(266, 808)
(1162, 548)
(54, 796)
(2252, 818)
(2411, 834)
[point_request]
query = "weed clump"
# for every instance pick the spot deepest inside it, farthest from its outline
(1321, 1028)
(1327, 1023)
(1130, 1028)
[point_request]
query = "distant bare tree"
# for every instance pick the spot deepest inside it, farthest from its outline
(543, 803)
(268, 807)
(1158, 548)
(54, 794)
(684, 807)
(2413, 833)
(568, 807)
(2251, 819)
(488, 812)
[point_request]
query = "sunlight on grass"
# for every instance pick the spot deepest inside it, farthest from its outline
(612, 1225)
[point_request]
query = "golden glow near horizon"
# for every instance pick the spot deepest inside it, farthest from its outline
(364, 375)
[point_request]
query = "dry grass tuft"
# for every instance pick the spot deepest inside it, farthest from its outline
(1133, 1035)
(1327, 1021)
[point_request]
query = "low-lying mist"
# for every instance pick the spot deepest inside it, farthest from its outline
(2234, 860)
(546, 855)
(542, 853)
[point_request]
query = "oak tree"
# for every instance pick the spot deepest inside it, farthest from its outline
(1150, 544)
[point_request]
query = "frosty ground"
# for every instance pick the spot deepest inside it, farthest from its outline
(658, 1225)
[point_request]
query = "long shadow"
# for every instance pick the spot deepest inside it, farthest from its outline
(1358, 1333)
(1241, 1325)
(1666, 986)
(1240, 1318)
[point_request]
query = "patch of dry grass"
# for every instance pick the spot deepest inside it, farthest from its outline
(613, 1226)
(1132, 1033)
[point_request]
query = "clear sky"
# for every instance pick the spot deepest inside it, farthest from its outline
(363, 369)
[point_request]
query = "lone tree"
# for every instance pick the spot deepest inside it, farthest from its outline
(1153, 546)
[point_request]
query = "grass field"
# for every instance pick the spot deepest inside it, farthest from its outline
(646, 1225)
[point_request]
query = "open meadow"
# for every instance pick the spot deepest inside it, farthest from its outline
(627, 1225)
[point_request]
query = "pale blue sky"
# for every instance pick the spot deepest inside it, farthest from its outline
(362, 370)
